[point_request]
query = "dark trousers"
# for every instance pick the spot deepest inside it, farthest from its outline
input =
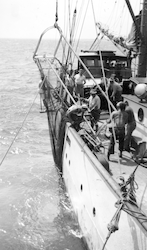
(130, 128)
(120, 135)
(80, 90)
(95, 116)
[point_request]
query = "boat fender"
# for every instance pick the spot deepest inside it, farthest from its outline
(57, 131)
(141, 91)
(60, 144)
(102, 159)
(58, 120)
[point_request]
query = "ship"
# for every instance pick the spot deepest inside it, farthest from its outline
(109, 197)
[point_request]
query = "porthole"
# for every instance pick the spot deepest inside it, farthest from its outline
(140, 115)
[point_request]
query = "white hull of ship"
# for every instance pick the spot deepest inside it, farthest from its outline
(141, 125)
(93, 194)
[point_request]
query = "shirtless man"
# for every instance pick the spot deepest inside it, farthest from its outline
(120, 118)
(116, 89)
(130, 126)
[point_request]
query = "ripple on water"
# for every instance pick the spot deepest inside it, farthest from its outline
(34, 210)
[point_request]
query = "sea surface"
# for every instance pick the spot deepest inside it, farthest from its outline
(35, 212)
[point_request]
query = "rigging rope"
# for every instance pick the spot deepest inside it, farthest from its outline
(143, 195)
(81, 28)
(56, 15)
(18, 130)
(128, 195)
(103, 73)
(71, 97)
(72, 29)
(94, 17)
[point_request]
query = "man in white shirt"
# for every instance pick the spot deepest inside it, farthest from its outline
(94, 107)
(80, 80)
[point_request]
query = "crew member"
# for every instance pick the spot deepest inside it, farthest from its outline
(116, 89)
(94, 103)
(131, 125)
(80, 80)
(120, 118)
(70, 84)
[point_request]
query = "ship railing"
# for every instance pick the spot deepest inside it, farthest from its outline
(38, 59)
(40, 39)
(50, 61)
(84, 66)
(75, 54)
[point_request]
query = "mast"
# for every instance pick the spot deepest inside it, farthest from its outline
(142, 34)
(142, 64)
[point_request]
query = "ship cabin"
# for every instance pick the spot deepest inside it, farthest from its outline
(113, 63)
(134, 89)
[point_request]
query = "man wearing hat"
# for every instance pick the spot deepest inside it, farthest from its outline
(94, 103)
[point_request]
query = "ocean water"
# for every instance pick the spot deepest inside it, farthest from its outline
(35, 212)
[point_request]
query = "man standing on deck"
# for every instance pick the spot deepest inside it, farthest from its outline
(94, 103)
(120, 118)
(80, 80)
(94, 106)
(130, 126)
(69, 82)
(116, 90)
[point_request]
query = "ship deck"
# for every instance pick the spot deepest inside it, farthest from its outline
(135, 99)
(118, 166)
(125, 166)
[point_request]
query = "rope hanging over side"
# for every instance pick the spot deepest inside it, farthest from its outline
(18, 130)
(113, 225)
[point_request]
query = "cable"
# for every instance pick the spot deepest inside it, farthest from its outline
(18, 130)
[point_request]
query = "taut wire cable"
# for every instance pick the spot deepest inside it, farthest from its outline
(18, 130)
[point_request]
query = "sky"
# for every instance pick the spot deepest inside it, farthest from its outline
(25, 18)
(28, 18)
